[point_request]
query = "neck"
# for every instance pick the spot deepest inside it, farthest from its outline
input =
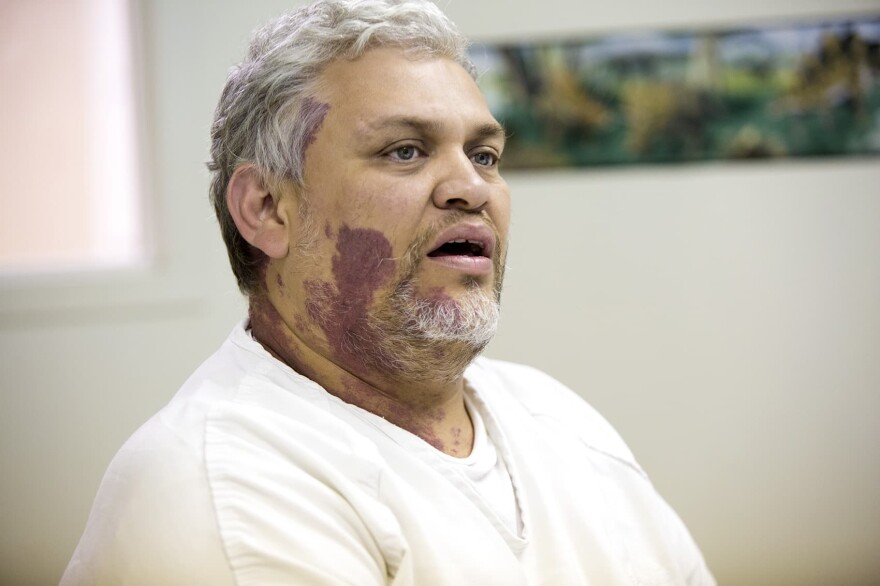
(431, 408)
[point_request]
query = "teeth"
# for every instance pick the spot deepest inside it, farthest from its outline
(462, 241)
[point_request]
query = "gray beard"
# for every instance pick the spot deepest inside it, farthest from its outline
(433, 339)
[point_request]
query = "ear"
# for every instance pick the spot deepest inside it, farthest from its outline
(255, 211)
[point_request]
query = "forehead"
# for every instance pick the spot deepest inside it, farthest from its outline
(387, 82)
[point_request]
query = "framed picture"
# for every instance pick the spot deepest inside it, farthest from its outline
(777, 91)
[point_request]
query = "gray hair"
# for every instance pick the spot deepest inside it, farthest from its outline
(267, 114)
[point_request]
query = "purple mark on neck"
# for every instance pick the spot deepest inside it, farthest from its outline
(362, 264)
(270, 331)
(312, 114)
(416, 421)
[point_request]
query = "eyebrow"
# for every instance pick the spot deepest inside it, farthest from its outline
(490, 130)
(493, 130)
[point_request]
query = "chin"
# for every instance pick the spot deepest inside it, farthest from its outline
(432, 337)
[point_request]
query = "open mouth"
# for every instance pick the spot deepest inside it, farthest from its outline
(466, 248)
(459, 247)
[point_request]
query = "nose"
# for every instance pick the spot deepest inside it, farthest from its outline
(461, 186)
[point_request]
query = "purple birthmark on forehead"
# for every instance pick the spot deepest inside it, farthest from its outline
(362, 264)
(312, 114)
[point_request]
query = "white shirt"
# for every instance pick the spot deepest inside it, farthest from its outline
(482, 468)
(254, 474)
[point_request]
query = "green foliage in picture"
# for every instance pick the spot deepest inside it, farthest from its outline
(797, 91)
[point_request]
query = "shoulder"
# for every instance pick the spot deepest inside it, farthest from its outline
(550, 402)
(227, 480)
(152, 520)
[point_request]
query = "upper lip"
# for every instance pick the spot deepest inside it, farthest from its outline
(480, 234)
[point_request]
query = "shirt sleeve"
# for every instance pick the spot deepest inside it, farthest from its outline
(152, 521)
(293, 508)
(246, 499)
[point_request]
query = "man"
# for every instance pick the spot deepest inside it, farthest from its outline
(346, 433)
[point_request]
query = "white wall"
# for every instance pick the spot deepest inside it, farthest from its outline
(727, 321)
(726, 318)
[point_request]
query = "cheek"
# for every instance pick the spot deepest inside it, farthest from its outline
(363, 262)
(501, 214)
(394, 209)
(502, 197)
(383, 190)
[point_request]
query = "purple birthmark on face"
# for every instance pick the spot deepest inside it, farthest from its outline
(438, 297)
(312, 114)
(362, 264)
(268, 328)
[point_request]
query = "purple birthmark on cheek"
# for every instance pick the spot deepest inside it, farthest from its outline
(312, 114)
(362, 264)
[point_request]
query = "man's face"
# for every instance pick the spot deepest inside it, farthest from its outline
(405, 202)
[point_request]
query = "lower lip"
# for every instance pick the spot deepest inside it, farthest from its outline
(469, 265)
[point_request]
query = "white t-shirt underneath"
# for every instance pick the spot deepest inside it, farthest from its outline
(484, 469)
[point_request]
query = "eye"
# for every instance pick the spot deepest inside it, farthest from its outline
(405, 153)
(485, 159)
